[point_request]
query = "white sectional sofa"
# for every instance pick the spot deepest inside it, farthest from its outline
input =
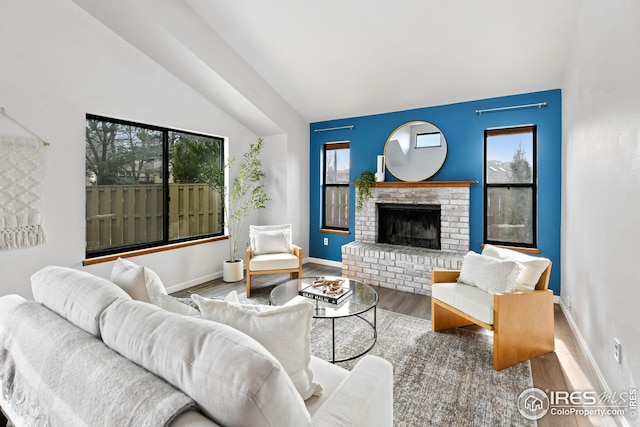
(85, 353)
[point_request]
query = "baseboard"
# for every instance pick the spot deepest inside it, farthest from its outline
(194, 282)
(587, 352)
(326, 262)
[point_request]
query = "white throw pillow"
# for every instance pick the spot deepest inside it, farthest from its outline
(270, 239)
(489, 274)
(533, 266)
(140, 282)
(285, 331)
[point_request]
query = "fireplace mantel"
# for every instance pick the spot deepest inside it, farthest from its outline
(411, 184)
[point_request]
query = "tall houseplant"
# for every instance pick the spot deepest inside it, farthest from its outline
(245, 194)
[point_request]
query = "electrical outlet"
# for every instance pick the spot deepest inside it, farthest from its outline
(325, 241)
(617, 350)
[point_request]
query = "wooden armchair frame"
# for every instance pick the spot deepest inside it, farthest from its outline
(293, 272)
(523, 323)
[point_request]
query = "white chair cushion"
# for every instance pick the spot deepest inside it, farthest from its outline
(141, 283)
(489, 274)
(466, 298)
(270, 239)
(273, 262)
(532, 266)
(78, 296)
(234, 379)
(283, 330)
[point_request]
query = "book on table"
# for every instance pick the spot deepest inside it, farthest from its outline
(333, 291)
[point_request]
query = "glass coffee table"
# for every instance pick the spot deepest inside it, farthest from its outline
(362, 300)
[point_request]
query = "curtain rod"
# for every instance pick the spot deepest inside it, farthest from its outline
(335, 128)
(4, 113)
(513, 107)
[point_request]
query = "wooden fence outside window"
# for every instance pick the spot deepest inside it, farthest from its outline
(123, 215)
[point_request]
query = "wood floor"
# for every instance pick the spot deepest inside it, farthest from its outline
(566, 369)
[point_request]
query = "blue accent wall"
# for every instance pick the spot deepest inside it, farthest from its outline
(464, 132)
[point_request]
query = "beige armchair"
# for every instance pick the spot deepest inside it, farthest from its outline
(271, 251)
(522, 321)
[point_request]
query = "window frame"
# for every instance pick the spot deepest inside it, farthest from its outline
(533, 185)
(328, 147)
(166, 240)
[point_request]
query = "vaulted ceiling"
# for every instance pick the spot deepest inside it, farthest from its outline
(341, 58)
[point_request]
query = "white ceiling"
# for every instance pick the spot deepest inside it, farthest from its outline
(342, 58)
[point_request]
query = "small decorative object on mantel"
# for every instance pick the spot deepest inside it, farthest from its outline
(363, 187)
(380, 170)
(333, 291)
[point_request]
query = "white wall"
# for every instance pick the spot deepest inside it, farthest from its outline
(59, 63)
(601, 188)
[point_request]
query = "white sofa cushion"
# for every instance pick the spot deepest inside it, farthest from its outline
(283, 330)
(466, 298)
(532, 266)
(330, 376)
(140, 282)
(273, 262)
(78, 296)
(234, 379)
(364, 398)
(489, 274)
(270, 239)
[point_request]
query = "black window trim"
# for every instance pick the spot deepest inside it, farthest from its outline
(533, 185)
(331, 146)
(165, 186)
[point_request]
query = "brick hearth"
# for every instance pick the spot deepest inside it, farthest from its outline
(401, 267)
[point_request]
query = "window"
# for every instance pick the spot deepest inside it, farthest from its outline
(430, 139)
(336, 186)
(143, 186)
(510, 186)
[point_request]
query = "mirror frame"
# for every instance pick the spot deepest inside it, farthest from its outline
(432, 165)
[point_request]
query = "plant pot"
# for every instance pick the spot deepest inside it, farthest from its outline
(233, 271)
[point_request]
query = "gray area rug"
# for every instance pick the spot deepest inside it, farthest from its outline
(440, 378)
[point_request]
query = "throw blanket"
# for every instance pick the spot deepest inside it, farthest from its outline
(54, 374)
(21, 170)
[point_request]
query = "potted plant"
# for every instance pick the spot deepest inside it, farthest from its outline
(363, 186)
(245, 194)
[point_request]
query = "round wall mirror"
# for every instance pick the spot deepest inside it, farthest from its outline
(415, 151)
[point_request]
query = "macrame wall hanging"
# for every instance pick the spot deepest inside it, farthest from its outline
(21, 191)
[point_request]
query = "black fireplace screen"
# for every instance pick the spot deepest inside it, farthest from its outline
(409, 225)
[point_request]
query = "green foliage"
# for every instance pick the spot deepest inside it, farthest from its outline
(363, 185)
(189, 155)
(245, 193)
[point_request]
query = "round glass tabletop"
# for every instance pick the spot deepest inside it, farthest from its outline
(362, 299)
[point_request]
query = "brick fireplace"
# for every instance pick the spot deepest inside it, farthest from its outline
(408, 268)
